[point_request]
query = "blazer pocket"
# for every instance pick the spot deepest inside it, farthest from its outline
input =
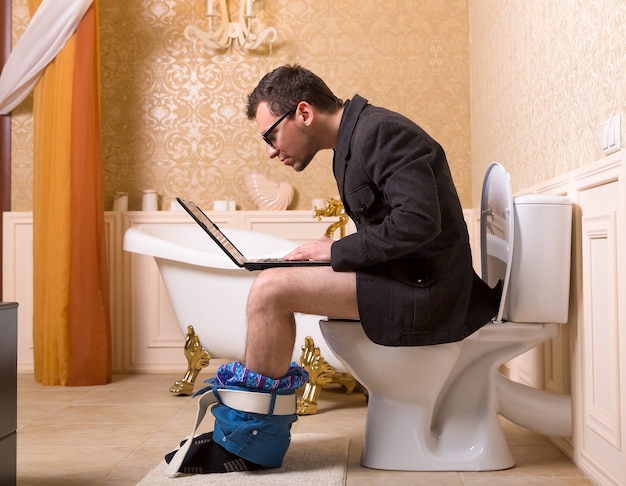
(417, 299)
(361, 199)
(411, 309)
(421, 275)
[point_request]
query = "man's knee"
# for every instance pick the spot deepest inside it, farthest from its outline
(269, 286)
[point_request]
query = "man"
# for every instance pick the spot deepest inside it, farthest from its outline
(406, 273)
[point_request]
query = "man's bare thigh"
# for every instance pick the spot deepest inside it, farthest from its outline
(316, 290)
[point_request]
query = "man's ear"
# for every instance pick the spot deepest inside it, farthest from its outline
(305, 112)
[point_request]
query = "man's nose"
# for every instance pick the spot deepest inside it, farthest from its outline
(272, 151)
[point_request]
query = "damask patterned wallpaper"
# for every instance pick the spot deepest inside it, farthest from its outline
(174, 110)
(21, 129)
(545, 74)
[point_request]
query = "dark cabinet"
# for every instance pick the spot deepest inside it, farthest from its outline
(8, 393)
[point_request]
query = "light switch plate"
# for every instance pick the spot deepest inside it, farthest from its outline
(612, 135)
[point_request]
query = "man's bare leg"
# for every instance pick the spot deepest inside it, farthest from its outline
(274, 297)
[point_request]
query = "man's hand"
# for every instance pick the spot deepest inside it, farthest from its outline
(314, 250)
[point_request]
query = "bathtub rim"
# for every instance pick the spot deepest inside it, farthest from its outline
(139, 239)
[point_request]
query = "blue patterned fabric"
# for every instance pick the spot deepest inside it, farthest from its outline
(235, 374)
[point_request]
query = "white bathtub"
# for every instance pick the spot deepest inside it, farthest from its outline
(208, 291)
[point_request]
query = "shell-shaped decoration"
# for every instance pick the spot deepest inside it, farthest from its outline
(266, 194)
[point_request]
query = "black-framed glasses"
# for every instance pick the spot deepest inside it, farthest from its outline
(268, 132)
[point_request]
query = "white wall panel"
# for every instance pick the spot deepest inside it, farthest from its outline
(600, 328)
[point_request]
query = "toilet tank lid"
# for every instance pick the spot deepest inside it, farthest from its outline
(541, 199)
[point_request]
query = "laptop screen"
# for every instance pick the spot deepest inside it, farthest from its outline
(215, 233)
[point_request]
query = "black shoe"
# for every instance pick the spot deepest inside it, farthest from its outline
(207, 457)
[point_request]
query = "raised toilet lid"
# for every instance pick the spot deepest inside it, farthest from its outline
(497, 231)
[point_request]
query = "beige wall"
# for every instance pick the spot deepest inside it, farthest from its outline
(544, 76)
(173, 110)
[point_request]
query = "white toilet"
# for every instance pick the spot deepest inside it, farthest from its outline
(435, 408)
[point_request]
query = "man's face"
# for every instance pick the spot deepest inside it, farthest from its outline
(290, 140)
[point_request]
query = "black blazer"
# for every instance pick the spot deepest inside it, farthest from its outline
(411, 253)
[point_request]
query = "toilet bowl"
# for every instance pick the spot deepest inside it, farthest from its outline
(435, 408)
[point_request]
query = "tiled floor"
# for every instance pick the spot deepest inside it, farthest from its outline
(115, 434)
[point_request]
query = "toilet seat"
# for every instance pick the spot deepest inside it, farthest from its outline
(497, 232)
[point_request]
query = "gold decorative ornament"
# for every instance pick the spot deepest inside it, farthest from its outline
(333, 207)
(320, 374)
(228, 30)
(197, 359)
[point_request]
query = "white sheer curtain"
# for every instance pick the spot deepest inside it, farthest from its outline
(52, 25)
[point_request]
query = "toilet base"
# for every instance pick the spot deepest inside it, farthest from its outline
(465, 445)
(434, 408)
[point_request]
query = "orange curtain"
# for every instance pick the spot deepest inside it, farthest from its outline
(71, 322)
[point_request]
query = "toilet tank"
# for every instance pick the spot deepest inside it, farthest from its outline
(540, 268)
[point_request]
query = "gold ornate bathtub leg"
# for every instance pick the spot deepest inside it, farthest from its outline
(197, 359)
(320, 373)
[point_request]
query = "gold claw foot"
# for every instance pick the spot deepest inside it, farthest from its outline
(181, 388)
(346, 380)
(197, 359)
(320, 373)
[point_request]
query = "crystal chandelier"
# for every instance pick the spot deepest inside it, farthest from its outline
(221, 36)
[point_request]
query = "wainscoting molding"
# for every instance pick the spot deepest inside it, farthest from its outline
(599, 373)
(585, 359)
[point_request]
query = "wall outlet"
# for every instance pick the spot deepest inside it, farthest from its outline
(612, 135)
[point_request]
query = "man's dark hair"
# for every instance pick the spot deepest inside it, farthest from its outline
(286, 86)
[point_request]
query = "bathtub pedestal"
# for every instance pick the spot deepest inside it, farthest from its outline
(320, 374)
(197, 359)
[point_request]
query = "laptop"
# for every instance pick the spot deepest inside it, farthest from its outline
(231, 250)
